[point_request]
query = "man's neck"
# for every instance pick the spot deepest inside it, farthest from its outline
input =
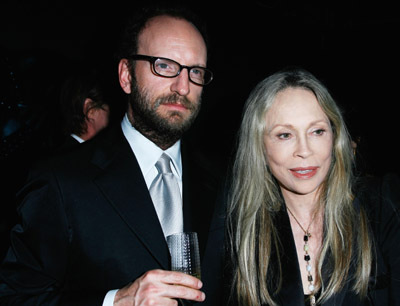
(162, 141)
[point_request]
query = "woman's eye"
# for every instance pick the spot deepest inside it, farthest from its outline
(319, 132)
(284, 136)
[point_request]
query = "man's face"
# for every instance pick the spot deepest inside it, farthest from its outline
(170, 125)
(167, 104)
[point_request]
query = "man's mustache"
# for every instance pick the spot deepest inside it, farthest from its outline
(174, 99)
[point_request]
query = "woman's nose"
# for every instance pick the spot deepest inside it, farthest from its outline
(303, 148)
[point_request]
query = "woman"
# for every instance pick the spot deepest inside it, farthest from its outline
(300, 229)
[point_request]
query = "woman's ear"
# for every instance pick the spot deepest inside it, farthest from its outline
(124, 75)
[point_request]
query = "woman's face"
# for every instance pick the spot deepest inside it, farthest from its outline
(298, 142)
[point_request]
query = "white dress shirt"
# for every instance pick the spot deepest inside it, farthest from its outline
(147, 154)
(80, 140)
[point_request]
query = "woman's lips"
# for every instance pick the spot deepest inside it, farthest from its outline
(304, 173)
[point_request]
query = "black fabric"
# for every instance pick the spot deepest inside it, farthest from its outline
(380, 198)
(87, 225)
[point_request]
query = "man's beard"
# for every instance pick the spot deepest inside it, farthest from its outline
(163, 131)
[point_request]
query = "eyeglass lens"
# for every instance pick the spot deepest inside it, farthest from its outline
(169, 68)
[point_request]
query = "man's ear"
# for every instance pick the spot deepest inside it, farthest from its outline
(124, 75)
(87, 108)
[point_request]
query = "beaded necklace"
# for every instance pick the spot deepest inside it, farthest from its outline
(307, 257)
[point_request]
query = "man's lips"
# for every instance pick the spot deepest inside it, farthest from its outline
(175, 106)
(175, 102)
(304, 172)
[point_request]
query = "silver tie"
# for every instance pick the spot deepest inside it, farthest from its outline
(166, 197)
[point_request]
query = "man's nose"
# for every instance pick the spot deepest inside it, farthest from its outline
(181, 84)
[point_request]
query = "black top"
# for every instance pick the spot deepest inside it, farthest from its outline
(380, 197)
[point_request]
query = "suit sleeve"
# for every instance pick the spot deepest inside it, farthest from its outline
(385, 224)
(35, 269)
(391, 234)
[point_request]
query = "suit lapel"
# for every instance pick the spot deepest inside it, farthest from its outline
(199, 195)
(122, 183)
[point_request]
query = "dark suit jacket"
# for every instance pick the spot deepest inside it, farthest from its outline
(380, 197)
(88, 225)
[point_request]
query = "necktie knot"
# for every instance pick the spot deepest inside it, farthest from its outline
(163, 164)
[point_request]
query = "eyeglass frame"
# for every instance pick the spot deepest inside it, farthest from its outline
(153, 59)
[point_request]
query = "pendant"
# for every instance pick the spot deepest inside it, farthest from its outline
(307, 258)
(312, 299)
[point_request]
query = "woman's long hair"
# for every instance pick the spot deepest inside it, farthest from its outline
(255, 198)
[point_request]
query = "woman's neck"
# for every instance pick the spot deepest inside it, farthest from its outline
(302, 206)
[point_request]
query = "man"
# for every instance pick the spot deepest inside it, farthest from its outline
(89, 224)
(83, 108)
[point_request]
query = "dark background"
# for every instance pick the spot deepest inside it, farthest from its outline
(351, 46)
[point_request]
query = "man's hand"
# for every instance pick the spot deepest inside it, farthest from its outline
(160, 287)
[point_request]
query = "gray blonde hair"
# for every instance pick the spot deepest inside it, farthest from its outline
(255, 198)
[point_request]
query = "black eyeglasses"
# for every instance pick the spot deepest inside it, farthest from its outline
(168, 68)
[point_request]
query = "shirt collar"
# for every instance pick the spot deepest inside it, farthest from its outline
(80, 140)
(147, 152)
